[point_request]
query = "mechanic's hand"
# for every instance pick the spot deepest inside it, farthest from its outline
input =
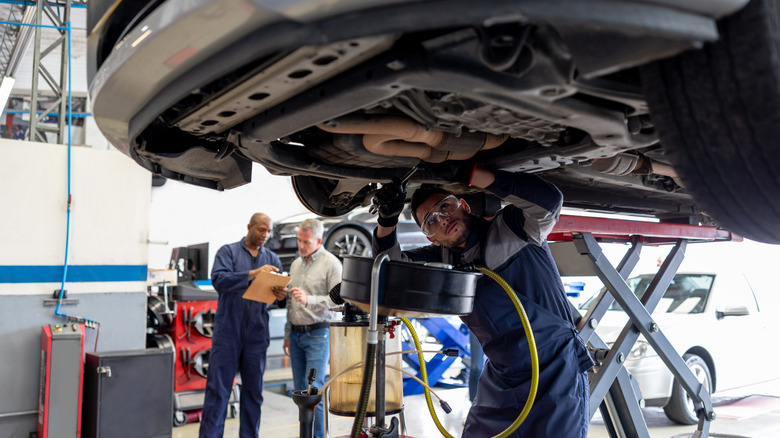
(286, 347)
(280, 292)
(390, 202)
(265, 268)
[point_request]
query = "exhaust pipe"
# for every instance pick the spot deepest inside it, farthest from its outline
(400, 137)
(624, 164)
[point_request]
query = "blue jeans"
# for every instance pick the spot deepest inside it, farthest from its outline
(307, 351)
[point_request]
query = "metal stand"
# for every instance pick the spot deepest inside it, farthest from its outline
(612, 388)
(379, 429)
(450, 338)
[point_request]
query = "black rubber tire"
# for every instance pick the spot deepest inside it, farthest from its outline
(349, 241)
(680, 407)
(717, 111)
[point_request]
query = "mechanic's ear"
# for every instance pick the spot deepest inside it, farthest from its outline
(465, 205)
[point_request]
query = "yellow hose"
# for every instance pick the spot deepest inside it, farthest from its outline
(531, 346)
(424, 375)
(529, 334)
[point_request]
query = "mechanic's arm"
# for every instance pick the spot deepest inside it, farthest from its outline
(538, 202)
(223, 278)
(382, 231)
(390, 201)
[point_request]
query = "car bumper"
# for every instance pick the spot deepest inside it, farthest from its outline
(654, 379)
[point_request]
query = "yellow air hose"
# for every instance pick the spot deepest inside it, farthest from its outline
(531, 346)
(424, 375)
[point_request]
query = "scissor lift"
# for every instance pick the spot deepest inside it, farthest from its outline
(612, 390)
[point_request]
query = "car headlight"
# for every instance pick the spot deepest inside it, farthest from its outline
(288, 230)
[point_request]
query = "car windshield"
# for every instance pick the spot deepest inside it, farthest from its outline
(687, 293)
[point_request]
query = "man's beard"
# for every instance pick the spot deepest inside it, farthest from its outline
(468, 221)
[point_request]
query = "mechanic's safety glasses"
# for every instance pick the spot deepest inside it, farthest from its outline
(432, 221)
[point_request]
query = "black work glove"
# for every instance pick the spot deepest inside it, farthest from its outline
(389, 201)
(454, 171)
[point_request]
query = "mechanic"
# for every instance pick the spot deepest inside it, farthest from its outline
(240, 338)
(306, 334)
(513, 244)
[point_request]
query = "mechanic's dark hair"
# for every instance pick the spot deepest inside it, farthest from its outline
(421, 195)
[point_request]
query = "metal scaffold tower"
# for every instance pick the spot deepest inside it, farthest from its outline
(49, 23)
(14, 38)
(57, 13)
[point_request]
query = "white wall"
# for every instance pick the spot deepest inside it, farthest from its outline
(181, 214)
(109, 219)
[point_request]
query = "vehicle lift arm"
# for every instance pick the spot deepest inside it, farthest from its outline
(612, 388)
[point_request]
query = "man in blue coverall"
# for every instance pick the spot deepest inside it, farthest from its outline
(513, 244)
(240, 339)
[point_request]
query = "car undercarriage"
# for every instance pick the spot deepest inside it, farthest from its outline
(580, 92)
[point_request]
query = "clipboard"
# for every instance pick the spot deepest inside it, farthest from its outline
(261, 288)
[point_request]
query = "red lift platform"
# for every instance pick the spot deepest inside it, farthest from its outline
(575, 242)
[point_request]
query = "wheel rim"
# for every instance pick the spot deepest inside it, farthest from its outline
(351, 244)
(700, 373)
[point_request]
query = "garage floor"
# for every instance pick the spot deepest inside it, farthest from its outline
(752, 411)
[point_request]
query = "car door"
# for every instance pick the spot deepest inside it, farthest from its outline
(738, 333)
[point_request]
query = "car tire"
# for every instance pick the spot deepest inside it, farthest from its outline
(680, 407)
(349, 241)
(717, 111)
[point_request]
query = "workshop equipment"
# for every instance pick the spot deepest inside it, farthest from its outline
(409, 289)
(424, 287)
(307, 400)
(574, 244)
(451, 338)
(184, 325)
(348, 346)
(128, 394)
(59, 397)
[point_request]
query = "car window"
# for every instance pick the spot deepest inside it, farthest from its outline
(687, 293)
(735, 290)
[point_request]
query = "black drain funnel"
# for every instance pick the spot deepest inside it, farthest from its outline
(410, 287)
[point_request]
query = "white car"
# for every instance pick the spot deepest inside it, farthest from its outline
(714, 322)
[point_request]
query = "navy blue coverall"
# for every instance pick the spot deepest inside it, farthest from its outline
(239, 342)
(513, 244)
